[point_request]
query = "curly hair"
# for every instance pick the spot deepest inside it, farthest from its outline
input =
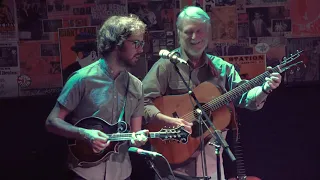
(115, 30)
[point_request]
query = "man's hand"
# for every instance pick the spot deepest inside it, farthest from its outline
(175, 121)
(187, 125)
(139, 138)
(272, 82)
(98, 140)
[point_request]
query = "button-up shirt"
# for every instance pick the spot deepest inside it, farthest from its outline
(92, 91)
(163, 80)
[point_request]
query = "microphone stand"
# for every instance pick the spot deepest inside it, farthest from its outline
(151, 164)
(217, 152)
(215, 132)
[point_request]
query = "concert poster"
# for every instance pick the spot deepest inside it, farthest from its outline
(51, 25)
(78, 48)
(243, 28)
(310, 57)
(248, 66)
(274, 55)
(231, 49)
(30, 15)
(305, 17)
(156, 41)
(157, 14)
(241, 6)
(266, 2)
(103, 9)
(260, 21)
(209, 5)
(40, 72)
(75, 21)
(225, 3)
(224, 27)
(271, 41)
(9, 70)
(8, 21)
(69, 7)
(184, 3)
(243, 33)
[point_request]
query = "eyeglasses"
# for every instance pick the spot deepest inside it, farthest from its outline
(137, 43)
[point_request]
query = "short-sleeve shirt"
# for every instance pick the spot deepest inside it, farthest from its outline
(92, 91)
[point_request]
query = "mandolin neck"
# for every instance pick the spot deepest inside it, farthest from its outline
(128, 136)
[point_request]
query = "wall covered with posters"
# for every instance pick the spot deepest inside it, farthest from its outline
(42, 41)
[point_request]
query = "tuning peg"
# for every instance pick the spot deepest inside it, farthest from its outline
(298, 68)
(284, 59)
(291, 72)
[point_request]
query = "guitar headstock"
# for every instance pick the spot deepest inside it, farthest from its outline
(292, 62)
(178, 134)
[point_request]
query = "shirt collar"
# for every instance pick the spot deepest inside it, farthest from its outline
(108, 70)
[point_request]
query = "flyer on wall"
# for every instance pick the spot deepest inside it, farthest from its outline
(9, 70)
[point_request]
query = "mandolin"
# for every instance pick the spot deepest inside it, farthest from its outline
(117, 134)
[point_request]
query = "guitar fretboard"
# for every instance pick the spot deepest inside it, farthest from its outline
(127, 136)
(224, 99)
(229, 96)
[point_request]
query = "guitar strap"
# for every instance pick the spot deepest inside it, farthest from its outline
(124, 105)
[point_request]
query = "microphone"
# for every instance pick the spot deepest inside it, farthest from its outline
(171, 56)
(144, 152)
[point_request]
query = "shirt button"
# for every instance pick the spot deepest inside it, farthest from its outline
(115, 96)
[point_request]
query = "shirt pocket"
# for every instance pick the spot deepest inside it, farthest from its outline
(177, 87)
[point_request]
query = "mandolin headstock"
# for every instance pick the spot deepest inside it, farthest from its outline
(178, 134)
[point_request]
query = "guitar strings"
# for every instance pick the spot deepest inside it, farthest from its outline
(225, 99)
(228, 96)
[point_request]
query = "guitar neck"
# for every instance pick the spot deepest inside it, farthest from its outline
(224, 99)
(128, 136)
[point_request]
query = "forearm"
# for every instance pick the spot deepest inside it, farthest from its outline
(260, 96)
(256, 98)
(65, 129)
(164, 118)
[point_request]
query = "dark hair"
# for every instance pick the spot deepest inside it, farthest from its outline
(115, 30)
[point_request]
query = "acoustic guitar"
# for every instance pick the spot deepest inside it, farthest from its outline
(240, 167)
(117, 135)
(216, 106)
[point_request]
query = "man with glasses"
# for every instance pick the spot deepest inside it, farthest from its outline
(101, 90)
(193, 28)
